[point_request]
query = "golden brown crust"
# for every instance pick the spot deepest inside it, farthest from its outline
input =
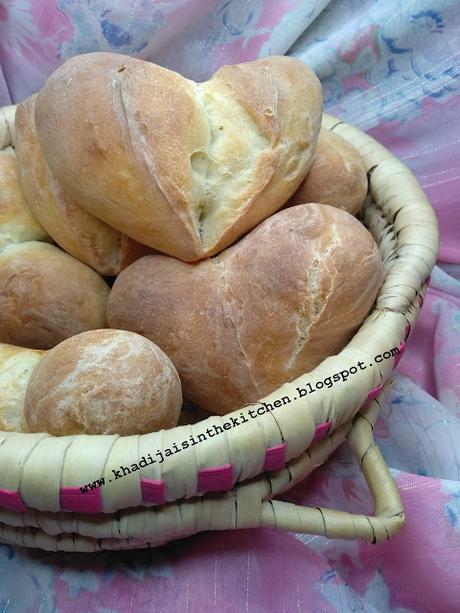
(337, 175)
(182, 167)
(17, 223)
(47, 295)
(75, 230)
(263, 312)
(16, 366)
(103, 382)
(131, 250)
(109, 147)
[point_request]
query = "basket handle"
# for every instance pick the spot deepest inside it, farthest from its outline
(389, 514)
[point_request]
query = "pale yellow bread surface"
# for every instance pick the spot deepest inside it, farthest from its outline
(16, 366)
(17, 223)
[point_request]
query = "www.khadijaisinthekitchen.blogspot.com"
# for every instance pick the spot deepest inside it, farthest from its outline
(260, 409)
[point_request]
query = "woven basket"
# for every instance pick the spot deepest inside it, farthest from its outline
(228, 480)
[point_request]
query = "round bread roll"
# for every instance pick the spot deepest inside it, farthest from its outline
(103, 382)
(337, 176)
(47, 295)
(16, 366)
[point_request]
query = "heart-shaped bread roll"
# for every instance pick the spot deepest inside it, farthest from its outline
(183, 167)
(263, 312)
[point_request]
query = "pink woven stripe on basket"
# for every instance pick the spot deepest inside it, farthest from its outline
(274, 457)
(153, 490)
(72, 499)
(374, 392)
(11, 500)
(401, 347)
(215, 479)
(321, 430)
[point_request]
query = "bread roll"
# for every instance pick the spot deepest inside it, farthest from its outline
(16, 365)
(263, 312)
(103, 382)
(337, 175)
(17, 223)
(47, 295)
(75, 230)
(183, 167)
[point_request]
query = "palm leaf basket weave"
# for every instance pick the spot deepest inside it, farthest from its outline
(229, 480)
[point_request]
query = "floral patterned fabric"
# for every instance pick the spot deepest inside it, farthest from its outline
(391, 68)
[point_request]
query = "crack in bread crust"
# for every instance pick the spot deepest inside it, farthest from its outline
(142, 152)
(224, 288)
(226, 176)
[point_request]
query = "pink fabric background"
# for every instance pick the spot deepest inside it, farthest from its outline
(393, 69)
